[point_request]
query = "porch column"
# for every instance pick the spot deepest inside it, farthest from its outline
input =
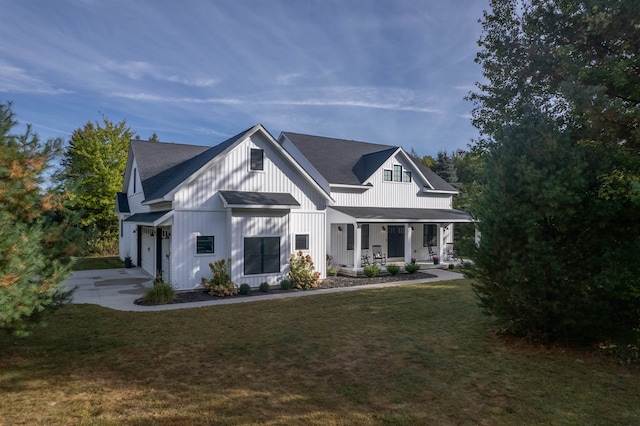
(357, 246)
(408, 253)
(440, 251)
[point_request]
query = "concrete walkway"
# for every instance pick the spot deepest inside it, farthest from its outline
(118, 288)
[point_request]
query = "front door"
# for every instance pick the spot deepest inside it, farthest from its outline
(395, 240)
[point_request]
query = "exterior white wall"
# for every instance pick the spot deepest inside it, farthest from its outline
(312, 223)
(393, 194)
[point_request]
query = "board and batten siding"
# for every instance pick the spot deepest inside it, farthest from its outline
(188, 267)
(393, 194)
(233, 173)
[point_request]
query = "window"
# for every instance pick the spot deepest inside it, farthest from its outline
(257, 159)
(388, 175)
(406, 176)
(429, 236)
(350, 236)
(204, 245)
(302, 242)
(261, 255)
(365, 236)
(397, 173)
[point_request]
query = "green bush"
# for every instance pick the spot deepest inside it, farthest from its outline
(286, 284)
(332, 271)
(160, 294)
(245, 288)
(411, 268)
(301, 271)
(221, 284)
(450, 266)
(265, 287)
(371, 271)
(393, 269)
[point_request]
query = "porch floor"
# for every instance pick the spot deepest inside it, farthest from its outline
(424, 266)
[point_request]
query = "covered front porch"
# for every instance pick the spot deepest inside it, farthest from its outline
(359, 235)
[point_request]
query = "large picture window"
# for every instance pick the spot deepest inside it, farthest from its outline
(429, 236)
(261, 255)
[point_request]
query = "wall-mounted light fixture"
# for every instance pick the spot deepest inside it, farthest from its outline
(340, 228)
(412, 228)
(384, 229)
(134, 231)
(153, 234)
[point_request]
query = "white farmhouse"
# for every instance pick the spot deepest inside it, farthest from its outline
(256, 200)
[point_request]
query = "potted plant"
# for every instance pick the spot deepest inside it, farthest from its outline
(127, 261)
(436, 260)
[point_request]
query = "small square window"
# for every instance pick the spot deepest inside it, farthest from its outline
(204, 245)
(406, 176)
(397, 173)
(257, 159)
(387, 175)
(302, 242)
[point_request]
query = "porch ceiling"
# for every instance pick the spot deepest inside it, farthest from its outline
(386, 214)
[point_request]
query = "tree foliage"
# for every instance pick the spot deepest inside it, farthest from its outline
(560, 206)
(37, 236)
(94, 164)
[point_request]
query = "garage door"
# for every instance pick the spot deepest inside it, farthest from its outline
(148, 250)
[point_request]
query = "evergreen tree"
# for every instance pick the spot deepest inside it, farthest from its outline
(560, 213)
(37, 236)
(94, 164)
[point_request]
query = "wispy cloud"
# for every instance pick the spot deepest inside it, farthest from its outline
(18, 80)
(138, 70)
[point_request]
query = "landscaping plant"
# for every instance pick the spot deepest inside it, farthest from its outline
(160, 294)
(221, 284)
(371, 271)
(301, 271)
(393, 269)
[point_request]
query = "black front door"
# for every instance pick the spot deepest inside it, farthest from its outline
(395, 240)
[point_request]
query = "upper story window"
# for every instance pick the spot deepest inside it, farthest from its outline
(406, 176)
(135, 178)
(257, 159)
(388, 175)
(397, 173)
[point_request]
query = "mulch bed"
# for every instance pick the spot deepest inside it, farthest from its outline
(330, 282)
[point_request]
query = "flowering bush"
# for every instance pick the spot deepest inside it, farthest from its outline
(220, 284)
(301, 271)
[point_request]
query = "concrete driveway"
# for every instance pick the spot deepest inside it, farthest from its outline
(118, 288)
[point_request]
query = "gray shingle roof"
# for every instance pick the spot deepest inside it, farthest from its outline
(163, 166)
(243, 198)
(387, 214)
(349, 162)
(147, 218)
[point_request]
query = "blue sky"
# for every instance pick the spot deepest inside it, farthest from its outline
(200, 71)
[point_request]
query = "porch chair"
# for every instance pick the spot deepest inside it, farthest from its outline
(431, 252)
(365, 259)
(378, 255)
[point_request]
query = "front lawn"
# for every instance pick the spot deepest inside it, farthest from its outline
(97, 262)
(416, 354)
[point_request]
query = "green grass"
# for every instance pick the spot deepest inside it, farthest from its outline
(91, 263)
(419, 354)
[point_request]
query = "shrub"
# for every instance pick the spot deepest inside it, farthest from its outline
(371, 271)
(450, 266)
(221, 284)
(286, 284)
(245, 288)
(301, 271)
(411, 268)
(265, 287)
(160, 294)
(393, 269)
(332, 271)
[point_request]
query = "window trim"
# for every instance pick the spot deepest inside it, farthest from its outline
(295, 242)
(262, 256)
(253, 166)
(213, 245)
(364, 236)
(426, 241)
